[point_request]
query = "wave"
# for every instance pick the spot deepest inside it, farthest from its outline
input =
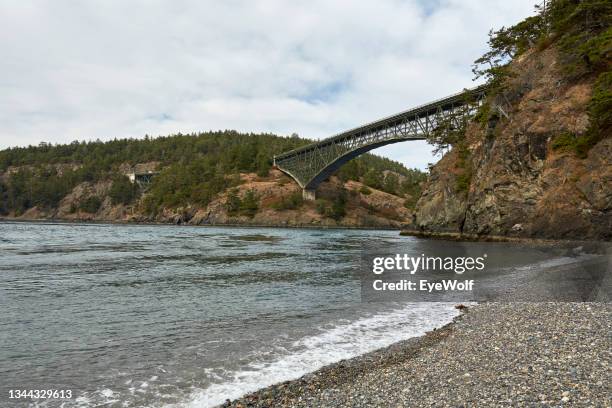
(342, 341)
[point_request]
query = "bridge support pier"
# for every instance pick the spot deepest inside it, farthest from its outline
(308, 195)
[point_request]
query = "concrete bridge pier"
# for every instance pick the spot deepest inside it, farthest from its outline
(308, 194)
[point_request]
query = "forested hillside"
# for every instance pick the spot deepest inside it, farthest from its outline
(194, 170)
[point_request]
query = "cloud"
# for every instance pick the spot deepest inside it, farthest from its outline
(106, 69)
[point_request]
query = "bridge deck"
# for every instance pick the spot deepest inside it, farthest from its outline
(420, 111)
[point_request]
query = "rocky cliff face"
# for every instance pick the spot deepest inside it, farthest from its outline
(511, 181)
(364, 207)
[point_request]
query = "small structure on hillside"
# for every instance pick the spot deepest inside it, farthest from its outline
(142, 179)
(142, 173)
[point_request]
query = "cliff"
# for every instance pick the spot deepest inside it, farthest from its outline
(523, 175)
(277, 202)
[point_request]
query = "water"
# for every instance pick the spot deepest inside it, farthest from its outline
(166, 316)
(159, 316)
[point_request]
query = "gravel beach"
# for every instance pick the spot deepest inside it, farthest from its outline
(494, 355)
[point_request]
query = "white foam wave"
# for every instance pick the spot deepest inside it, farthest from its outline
(345, 340)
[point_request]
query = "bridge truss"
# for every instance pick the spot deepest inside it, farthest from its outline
(314, 163)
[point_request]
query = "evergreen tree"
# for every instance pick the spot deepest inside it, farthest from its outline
(249, 204)
(233, 202)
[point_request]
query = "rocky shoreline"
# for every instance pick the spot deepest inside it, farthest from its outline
(229, 224)
(494, 354)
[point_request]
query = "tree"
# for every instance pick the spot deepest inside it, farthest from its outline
(233, 202)
(391, 183)
(373, 178)
(338, 208)
(195, 168)
(249, 204)
(122, 191)
(263, 165)
(504, 45)
(90, 205)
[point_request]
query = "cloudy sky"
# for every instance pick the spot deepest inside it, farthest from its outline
(86, 70)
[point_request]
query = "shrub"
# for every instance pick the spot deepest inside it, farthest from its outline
(600, 106)
(373, 178)
(321, 206)
(564, 141)
(338, 208)
(232, 203)
(391, 184)
(410, 202)
(463, 181)
(90, 204)
(249, 204)
(579, 145)
(365, 190)
(293, 201)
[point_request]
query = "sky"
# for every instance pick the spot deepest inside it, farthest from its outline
(87, 70)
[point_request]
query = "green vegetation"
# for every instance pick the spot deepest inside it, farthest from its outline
(338, 207)
(122, 191)
(247, 205)
(232, 204)
(179, 185)
(194, 169)
(410, 203)
(482, 114)
(321, 206)
(564, 141)
(371, 170)
(391, 183)
(463, 181)
(90, 204)
(600, 112)
(292, 202)
(580, 28)
(365, 190)
(43, 187)
(399, 183)
(504, 45)
(582, 32)
(579, 145)
(334, 208)
(464, 178)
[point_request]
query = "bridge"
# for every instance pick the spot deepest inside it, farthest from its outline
(312, 164)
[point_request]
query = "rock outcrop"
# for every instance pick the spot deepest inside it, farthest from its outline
(364, 207)
(517, 183)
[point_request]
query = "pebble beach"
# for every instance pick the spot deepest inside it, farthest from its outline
(493, 355)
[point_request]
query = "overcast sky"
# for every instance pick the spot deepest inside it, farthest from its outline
(86, 70)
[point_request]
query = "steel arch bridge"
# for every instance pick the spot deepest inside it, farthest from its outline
(312, 164)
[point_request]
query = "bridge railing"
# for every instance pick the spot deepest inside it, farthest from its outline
(310, 165)
(427, 109)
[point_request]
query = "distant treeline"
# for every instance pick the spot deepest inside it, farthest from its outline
(194, 168)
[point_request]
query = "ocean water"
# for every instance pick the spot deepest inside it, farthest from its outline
(167, 316)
